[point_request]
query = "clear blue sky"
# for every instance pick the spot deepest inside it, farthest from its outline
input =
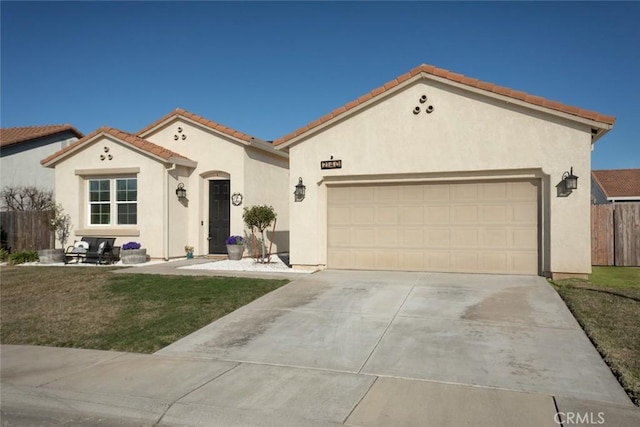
(268, 68)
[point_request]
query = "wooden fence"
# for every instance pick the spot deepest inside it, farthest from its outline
(615, 234)
(26, 230)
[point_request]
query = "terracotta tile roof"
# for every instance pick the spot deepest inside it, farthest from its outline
(458, 78)
(618, 182)
(199, 119)
(10, 136)
(128, 138)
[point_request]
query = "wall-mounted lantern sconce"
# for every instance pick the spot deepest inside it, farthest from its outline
(570, 180)
(181, 192)
(300, 190)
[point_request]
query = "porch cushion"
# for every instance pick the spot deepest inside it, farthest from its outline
(80, 247)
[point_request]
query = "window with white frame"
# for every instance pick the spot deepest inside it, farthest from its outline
(113, 201)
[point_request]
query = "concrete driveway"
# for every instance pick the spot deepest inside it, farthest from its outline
(503, 332)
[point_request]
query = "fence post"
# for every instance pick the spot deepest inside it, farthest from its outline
(602, 248)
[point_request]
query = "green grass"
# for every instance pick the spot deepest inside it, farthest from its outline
(88, 307)
(618, 277)
(607, 306)
(172, 307)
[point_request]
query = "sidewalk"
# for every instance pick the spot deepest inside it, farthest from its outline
(174, 268)
(138, 389)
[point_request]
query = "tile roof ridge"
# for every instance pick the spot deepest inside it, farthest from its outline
(616, 170)
(38, 126)
(19, 134)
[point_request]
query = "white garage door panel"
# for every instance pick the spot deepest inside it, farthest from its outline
(485, 227)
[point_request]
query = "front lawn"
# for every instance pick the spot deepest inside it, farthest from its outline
(90, 307)
(607, 306)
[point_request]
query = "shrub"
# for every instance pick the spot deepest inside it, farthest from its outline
(23, 256)
(259, 217)
(4, 254)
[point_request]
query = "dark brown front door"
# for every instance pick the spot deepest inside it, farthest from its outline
(219, 208)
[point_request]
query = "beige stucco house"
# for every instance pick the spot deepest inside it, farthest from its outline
(435, 171)
(117, 184)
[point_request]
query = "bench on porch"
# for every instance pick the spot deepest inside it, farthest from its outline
(98, 250)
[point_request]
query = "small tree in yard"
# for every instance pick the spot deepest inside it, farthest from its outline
(61, 224)
(259, 217)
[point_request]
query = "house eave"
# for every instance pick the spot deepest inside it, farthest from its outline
(625, 199)
(267, 147)
(181, 162)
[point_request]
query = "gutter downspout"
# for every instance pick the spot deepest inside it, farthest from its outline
(167, 212)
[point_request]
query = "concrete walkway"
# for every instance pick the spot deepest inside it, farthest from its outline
(342, 348)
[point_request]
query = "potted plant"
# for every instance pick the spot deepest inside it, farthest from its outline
(189, 250)
(132, 253)
(235, 247)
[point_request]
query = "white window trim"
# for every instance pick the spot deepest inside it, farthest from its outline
(113, 203)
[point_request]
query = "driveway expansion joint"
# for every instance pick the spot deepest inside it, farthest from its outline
(215, 377)
(384, 332)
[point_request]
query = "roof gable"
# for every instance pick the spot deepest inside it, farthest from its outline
(604, 122)
(142, 145)
(218, 128)
(618, 182)
(179, 112)
(17, 135)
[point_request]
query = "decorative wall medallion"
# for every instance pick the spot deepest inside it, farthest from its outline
(236, 199)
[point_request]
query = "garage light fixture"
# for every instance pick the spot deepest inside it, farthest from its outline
(181, 192)
(300, 190)
(570, 180)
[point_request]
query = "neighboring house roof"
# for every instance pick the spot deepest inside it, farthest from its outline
(11, 136)
(429, 71)
(142, 145)
(618, 183)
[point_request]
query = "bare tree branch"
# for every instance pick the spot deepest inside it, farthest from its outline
(27, 198)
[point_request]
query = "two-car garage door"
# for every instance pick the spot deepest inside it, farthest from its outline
(471, 227)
